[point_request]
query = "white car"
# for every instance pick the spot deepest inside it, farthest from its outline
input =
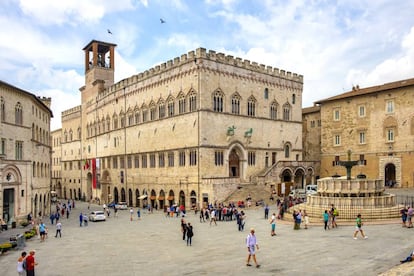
(311, 189)
(121, 205)
(97, 216)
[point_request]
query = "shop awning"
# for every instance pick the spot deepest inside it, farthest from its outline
(153, 197)
(142, 197)
(161, 197)
(170, 198)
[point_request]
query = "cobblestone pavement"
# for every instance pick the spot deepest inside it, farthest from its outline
(153, 245)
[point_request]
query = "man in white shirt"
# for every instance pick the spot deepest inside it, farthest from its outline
(252, 245)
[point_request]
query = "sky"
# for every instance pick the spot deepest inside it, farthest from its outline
(334, 44)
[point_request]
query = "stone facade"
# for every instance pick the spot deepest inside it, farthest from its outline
(311, 119)
(184, 132)
(377, 125)
(25, 154)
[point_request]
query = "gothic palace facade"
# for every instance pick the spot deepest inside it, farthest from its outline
(188, 131)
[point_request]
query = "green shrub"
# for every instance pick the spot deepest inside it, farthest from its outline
(24, 223)
(5, 247)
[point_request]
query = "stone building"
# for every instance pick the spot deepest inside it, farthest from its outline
(187, 131)
(311, 139)
(377, 125)
(25, 153)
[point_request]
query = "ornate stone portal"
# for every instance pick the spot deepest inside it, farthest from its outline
(351, 197)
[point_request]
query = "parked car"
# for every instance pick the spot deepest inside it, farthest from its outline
(97, 216)
(298, 193)
(121, 205)
(112, 204)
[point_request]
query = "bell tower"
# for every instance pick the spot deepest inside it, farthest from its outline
(99, 63)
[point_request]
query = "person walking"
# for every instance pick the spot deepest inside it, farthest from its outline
(30, 264)
(190, 233)
(359, 228)
(131, 212)
(42, 230)
(409, 258)
(273, 225)
(326, 219)
(305, 219)
(80, 219)
(266, 211)
(20, 263)
(183, 228)
(139, 213)
(58, 229)
(252, 245)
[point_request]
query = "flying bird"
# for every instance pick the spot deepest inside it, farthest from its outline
(162, 21)
(109, 31)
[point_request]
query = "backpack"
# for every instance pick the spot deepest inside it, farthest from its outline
(24, 264)
(335, 212)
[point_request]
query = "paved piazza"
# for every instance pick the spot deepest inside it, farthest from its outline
(153, 246)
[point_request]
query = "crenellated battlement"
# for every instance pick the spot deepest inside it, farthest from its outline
(72, 110)
(203, 54)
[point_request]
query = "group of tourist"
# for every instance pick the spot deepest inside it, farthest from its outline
(187, 231)
(26, 263)
(407, 213)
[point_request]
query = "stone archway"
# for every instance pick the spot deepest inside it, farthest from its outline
(390, 177)
(234, 164)
(116, 194)
(181, 200)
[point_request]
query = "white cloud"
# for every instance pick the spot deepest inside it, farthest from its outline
(72, 11)
(399, 66)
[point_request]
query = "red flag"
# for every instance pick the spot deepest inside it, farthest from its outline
(86, 165)
(93, 173)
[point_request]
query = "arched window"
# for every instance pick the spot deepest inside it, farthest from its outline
(235, 104)
(287, 151)
(65, 135)
(273, 111)
(18, 114)
(153, 113)
(181, 103)
(192, 101)
(286, 112)
(293, 98)
(79, 133)
(122, 116)
(137, 116)
(170, 107)
(70, 135)
(161, 109)
(115, 121)
(218, 101)
(251, 107)
(108, 123)
(3, 110)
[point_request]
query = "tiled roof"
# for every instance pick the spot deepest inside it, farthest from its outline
(311, 109)
(356, 91)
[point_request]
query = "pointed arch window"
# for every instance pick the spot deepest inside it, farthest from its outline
(193, 101)
(161, 109)
(181, 104)
(115, 121)
(251, 107)
(287, 151)
(137, 116)
(3, 110)
(170, 108)
(18, 114)
(122, 115)
(273, 111)
(218, 101)
(235, 104)
(286, 112)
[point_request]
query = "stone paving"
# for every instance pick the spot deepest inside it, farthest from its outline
(153, 245)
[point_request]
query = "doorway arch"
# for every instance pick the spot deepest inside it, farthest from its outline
(390, 177)
(234, 164)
